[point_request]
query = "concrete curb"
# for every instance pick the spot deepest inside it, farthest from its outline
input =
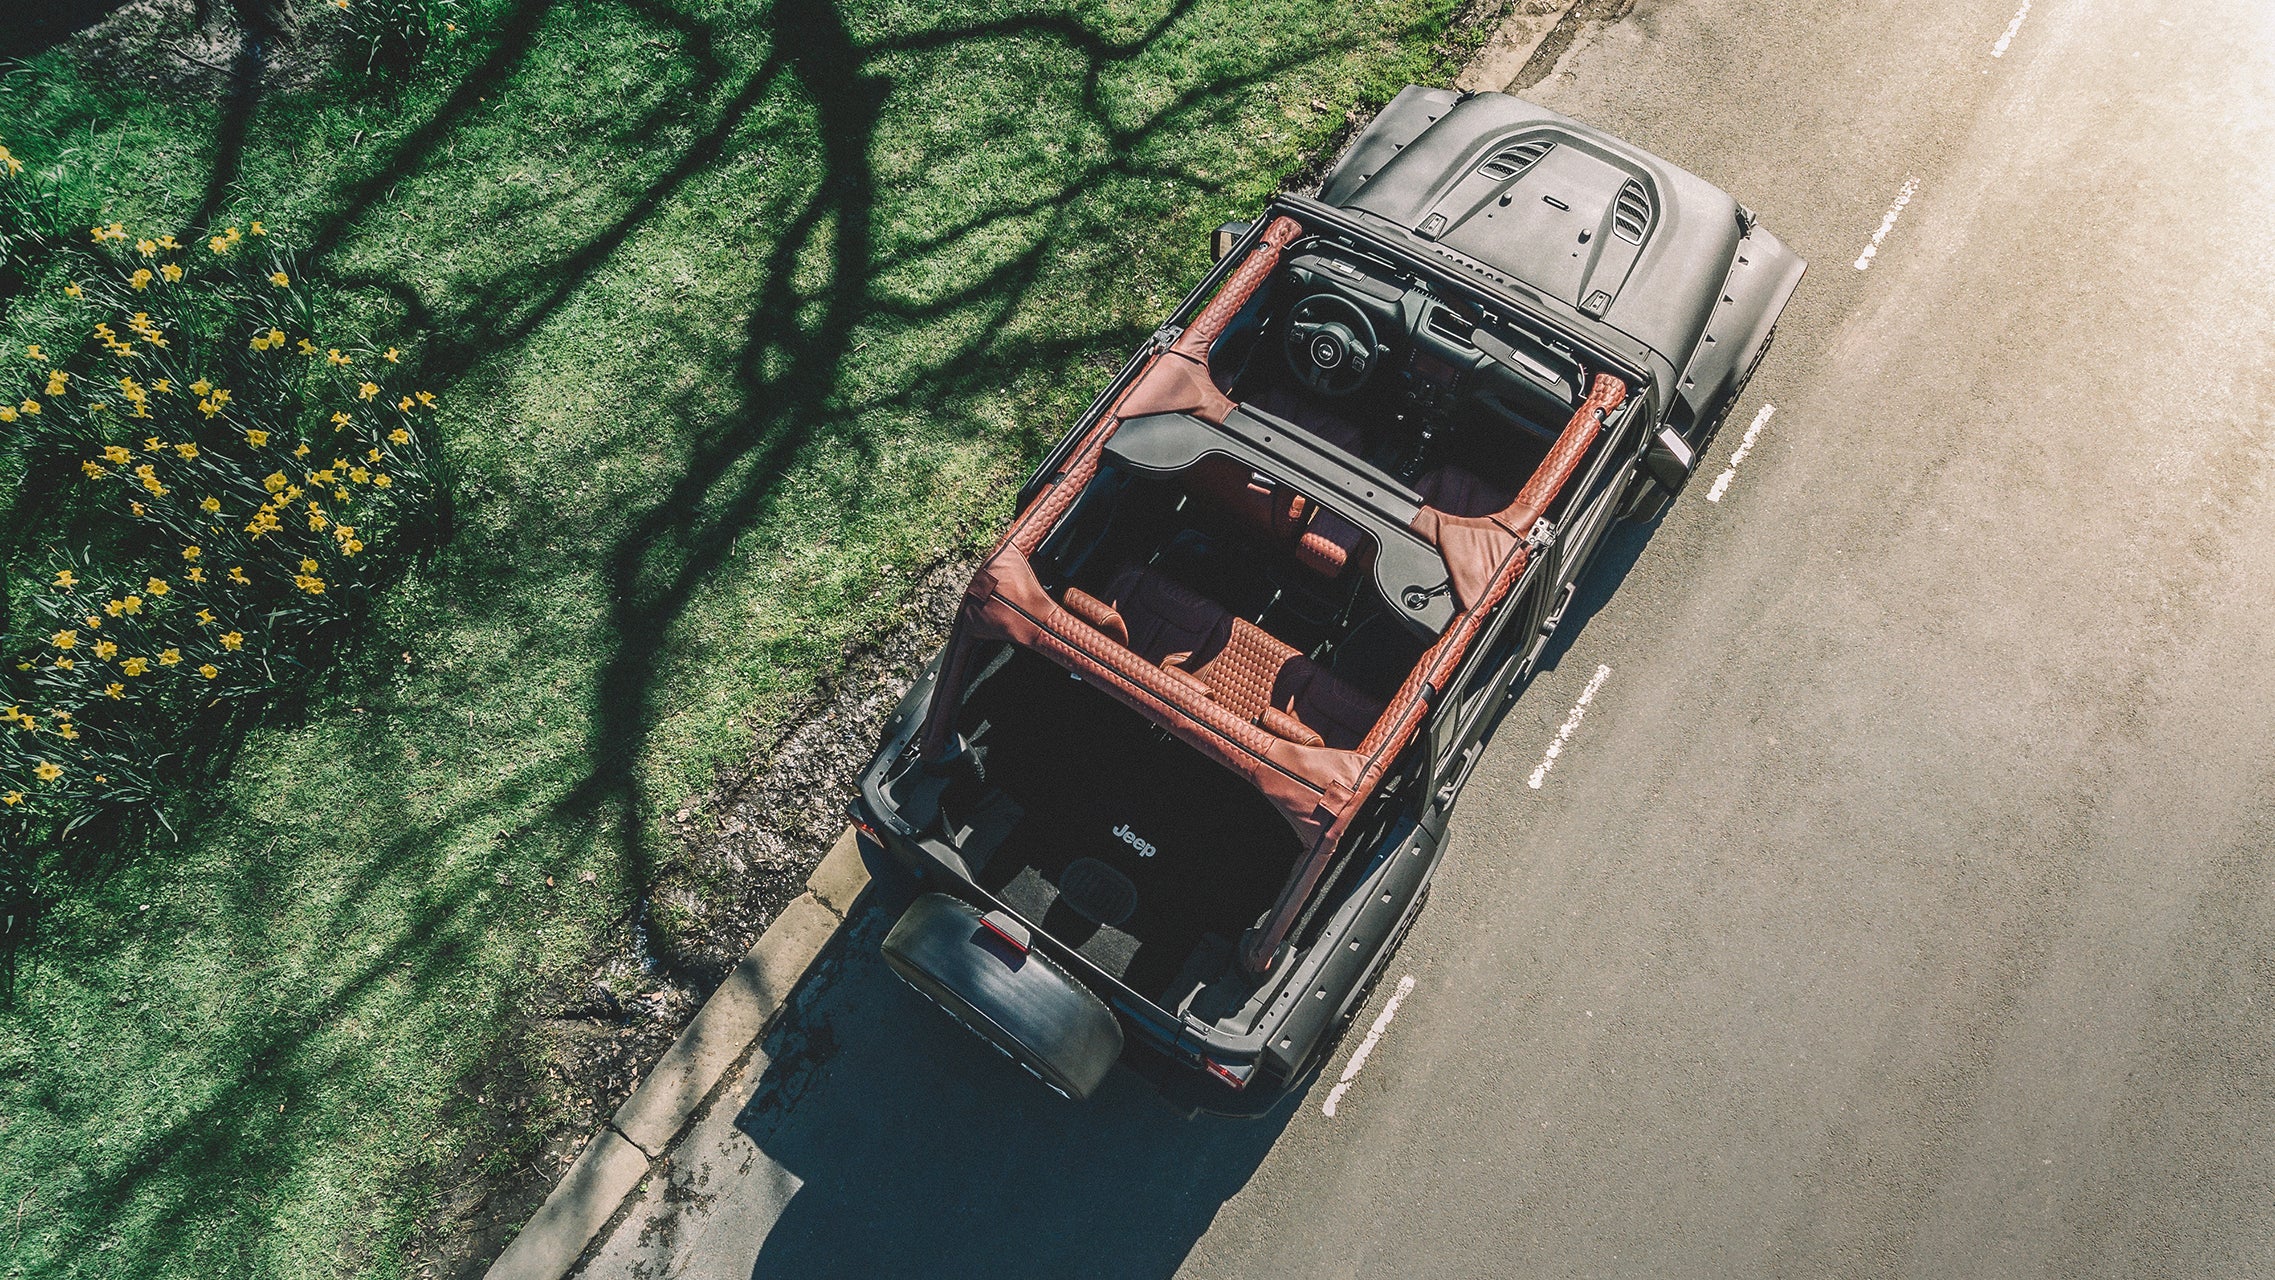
(618, 1157)
(1510, 47)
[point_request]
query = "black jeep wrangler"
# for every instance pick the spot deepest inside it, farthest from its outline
(1183, 770)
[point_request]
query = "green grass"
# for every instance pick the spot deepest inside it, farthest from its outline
(741, 316)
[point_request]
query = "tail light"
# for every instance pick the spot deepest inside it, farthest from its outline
(1236, 1076)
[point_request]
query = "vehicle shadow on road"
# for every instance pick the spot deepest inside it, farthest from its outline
(917, 1149)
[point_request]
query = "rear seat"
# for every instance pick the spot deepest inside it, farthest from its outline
(1237, 663)
(1321, 541)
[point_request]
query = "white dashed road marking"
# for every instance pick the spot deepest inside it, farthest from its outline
(1571, 722)
(1374, 1033)
(1887, 223)
(1745, 446)
(1999, 50)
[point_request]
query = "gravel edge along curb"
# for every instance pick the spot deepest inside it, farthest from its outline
(617, 1158)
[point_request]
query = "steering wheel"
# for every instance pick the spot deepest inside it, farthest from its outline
(1330, 344)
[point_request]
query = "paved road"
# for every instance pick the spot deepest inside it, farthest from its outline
(1902, 904)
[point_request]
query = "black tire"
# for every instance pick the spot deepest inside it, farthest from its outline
(1025, 1005)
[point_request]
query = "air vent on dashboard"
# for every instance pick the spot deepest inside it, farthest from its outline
(1447, 324)
(1515, 158)
(1631, 217)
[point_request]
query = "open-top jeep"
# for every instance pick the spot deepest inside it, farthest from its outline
(1183, 770)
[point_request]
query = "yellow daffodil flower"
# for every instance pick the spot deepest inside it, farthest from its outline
(135, 666)
(399, 436)
(256, 437)
(170, 658)
(141, 278)
(279, 279)
(381, 481)
(237, 575)
(113, 690)
(46, 771)
(369, 390)
(66, 579)
(209, 671)
(232, 640)
(170, 273)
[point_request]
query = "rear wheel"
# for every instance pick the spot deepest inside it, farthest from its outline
(1021, 1002)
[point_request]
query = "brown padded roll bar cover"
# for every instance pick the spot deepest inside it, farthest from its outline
(1396, 727)
(1179, 381)
(1475, 546)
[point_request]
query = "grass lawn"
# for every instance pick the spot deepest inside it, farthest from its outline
(741, 315)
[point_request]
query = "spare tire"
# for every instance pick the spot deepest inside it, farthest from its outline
(1019, 1001)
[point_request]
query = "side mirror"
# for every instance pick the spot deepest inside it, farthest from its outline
(1670, 460)
(1225, 239)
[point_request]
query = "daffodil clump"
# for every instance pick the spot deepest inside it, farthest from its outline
(27, 221)
(236, 477)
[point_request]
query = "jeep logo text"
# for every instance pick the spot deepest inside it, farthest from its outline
(1126, 836)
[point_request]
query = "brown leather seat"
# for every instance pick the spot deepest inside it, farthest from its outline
(1320, 540)
(1238, 664)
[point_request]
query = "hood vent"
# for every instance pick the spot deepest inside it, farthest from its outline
(1631, 216)
(1515, 158)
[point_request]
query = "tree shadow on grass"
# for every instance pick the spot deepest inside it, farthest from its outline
(837, 271)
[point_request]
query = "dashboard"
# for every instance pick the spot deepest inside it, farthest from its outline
(1352, 327)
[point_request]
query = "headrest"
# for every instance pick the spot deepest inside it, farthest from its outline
(1098, 614)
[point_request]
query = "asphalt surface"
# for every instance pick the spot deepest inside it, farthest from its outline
(1901, 904)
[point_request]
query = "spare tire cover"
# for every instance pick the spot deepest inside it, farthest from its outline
(1023, 1004)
